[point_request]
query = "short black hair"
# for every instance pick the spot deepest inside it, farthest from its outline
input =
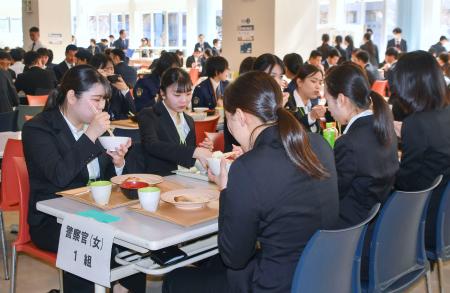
(334, 53)
(119, 53)
(100, 60)
(111, 36)
(391, 51)
(166, 61)
(215, 41)
(84, 54)
(50, 56)
(246, 64)
(93, 41)
(121, 31)
(34, 29)
(325, 38)
(362, 55)
(5, 55)
(43, 52)
(315, 54)
(71, 47)
(338, 39)
(442, 38)
(103, 40)
(293, 62)
(443, 57)
(397, 30)
(369, 31)
(30, 58)
(17, 54)
(216, 65)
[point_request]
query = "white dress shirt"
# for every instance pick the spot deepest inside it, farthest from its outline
(356, 117)
(307, 108)
(37, 45)
(93, 166)
(182, 128)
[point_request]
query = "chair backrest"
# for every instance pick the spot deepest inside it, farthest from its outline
(217, 139)
(397, 247)
(22, 188)
(9, 199)
(443, 226)
(331, 260)
(37, 100)
(194, 74)
(26, 110)
(380, 86)
(202, 126)
(8, 121)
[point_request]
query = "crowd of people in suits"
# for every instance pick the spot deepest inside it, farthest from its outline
(286, 181)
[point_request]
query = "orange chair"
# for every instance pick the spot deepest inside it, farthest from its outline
(202, 126)
(217, 139)
(23, 243)
(380, 86)
(37, 100)
(194, 74)
(9, 200)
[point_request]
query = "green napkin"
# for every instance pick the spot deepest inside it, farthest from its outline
(99, 216)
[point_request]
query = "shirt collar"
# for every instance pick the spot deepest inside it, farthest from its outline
(356, 117)
(68, 64)
(299, 101)
(75, 131)
(214, 83)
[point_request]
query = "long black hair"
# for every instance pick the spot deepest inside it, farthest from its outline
(267, 62)
(80, 79)
(257, 93)
(349, 79)
(418, 82)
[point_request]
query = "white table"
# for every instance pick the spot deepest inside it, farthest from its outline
(141, 234)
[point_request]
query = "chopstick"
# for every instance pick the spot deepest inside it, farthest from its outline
(96, 112)
(229, 154)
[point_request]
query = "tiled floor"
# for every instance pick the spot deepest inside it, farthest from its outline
(33, 276)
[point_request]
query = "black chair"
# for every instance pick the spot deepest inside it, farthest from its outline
(8, 121)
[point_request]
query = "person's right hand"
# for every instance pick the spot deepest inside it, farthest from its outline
(237, 150)
(99, 124)
(202, 154)
(318, 112)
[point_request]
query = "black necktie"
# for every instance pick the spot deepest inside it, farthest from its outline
(32, 47)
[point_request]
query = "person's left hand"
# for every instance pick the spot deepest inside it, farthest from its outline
(118, 156)
(120, 84)
(318, 112)
(222, 179)
(285, 98)
(207, 144)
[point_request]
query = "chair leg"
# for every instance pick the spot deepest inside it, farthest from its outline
(4, 246)
(440, 266)
(428, 281)
(60, 275)
(13, 270)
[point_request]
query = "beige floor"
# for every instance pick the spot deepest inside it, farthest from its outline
(33, 276)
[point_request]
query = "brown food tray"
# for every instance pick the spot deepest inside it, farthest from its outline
(125, 123)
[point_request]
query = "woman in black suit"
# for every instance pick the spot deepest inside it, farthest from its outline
(62, 152)
(303, 102)
(419, 85)
(121, 102)
(366, 153)
(371, 48)
(167, 133)
(278, 194)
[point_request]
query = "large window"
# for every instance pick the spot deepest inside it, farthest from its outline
(324, 12)
(165, 29)
(445, 17)
(159, 21)
(101, 26)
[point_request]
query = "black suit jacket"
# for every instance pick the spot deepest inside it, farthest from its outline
(425, 155)
(202, 47)
(204, 94)
(56, 161)
(121, 44)
(291, 105)
(35, 81)
(119, 106)
(325, 50)
(8, 94)
(161, 141)
(372, 73)
(281, 210)
(127, 72)
(438, 48)
(403, 46)
(365, 174)
(60, 69)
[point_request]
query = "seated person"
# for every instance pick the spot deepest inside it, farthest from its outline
(362, 59)
(36, 80)
(62, 152)
(303, 103)
(121, 103)
(195, 60)
(83, 56)
(292, 63)
(332, 59)
(147, 88)
(315, 59)
(366, 153)
(209, 93)
(128, 73)
(168, 134)
(277, 194)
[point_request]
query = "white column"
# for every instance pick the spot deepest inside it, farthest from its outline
(206, 19)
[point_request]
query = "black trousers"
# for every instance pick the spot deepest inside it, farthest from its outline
(209, 277)
(46, 237)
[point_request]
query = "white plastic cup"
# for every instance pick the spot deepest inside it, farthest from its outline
(214, 165)
(149, 198)
(101, 191)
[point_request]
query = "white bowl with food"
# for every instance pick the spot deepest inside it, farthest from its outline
(110, 143)
(200, 109)
(189, 199)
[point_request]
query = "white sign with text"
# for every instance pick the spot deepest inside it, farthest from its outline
(85, 249)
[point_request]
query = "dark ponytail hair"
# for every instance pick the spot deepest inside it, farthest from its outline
(176, 76)
(80, 79)
(257, 93)
(349, 79)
